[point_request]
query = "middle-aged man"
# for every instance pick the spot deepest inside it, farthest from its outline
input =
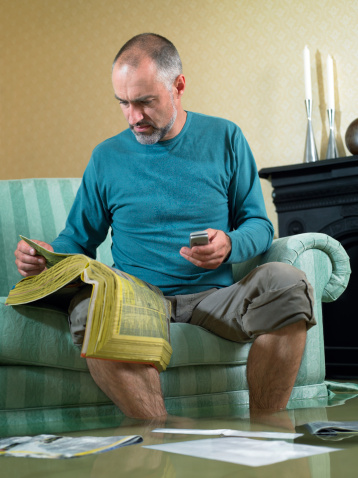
(170, 173)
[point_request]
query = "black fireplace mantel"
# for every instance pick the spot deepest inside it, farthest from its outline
(323, 197)
(328, 186)
(321, 183)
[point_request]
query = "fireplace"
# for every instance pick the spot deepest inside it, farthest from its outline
(323, 197)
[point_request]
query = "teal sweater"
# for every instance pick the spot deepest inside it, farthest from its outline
(153, 196)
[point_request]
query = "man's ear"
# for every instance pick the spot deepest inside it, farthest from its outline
(179, 85)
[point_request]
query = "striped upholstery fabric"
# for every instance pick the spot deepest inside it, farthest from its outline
(34, 208)
(45, 385)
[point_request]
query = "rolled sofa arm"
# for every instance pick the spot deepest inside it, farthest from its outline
(297, 250)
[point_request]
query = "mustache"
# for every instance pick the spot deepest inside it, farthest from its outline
(143, 123)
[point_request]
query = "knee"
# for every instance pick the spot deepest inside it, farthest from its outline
(282, 296)
(278, 275)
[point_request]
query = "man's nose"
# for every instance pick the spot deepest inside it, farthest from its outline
(135, 114)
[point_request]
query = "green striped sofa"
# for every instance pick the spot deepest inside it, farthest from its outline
(45, 385)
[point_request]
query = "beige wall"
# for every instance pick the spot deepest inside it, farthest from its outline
(242, 59)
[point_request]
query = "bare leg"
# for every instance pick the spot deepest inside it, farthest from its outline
(273, 364)
(134, 388)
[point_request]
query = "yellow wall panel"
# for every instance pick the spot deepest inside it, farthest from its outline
(243, 60)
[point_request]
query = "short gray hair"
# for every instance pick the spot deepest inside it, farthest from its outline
(156, 47)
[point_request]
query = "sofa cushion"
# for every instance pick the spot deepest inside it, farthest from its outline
(193, 345)
(39, 336)
(35, 335)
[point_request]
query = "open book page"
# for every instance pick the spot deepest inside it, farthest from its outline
(52, 258)
(144, 300)
(141, 317)
(128, 319)
(48, 282)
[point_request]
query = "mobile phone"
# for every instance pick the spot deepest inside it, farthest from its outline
(199, 238)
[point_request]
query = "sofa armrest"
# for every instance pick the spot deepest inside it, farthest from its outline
(321, 257)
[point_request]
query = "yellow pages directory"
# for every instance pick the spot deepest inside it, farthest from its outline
(128, 319)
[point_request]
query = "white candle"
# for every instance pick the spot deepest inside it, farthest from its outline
(307, 66)
(330, 83)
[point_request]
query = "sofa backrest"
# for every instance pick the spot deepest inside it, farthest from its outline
(37, 209)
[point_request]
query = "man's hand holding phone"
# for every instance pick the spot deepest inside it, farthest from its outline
(211, 255)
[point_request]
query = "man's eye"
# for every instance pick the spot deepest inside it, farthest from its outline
(123, 103)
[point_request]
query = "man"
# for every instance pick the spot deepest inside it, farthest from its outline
(171, 173)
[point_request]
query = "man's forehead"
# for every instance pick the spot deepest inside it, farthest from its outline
(124, 69)
(136, 84)
(127, 75)
(137, 89)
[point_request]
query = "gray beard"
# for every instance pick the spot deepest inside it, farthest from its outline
(158, 133)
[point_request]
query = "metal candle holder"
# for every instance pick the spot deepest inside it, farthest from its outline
(332, 151)
(310, 147)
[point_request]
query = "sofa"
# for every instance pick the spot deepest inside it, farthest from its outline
(45, 385)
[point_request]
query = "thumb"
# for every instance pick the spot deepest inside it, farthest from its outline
(212, 233)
